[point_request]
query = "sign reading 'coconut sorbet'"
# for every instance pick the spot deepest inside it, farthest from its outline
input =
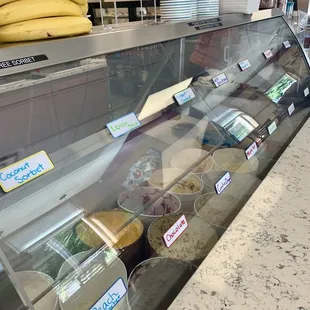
(123, 125)
(24, 171)
(175, 231)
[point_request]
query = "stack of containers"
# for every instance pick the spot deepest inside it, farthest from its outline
(208, 8)
(240, 6)
(176, 10)
(194, 9)
(27, 20)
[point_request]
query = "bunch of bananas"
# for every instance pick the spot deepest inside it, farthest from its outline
(28, 20)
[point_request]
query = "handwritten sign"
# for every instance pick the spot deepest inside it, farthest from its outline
(175, 231)
(222, 183)
(287, 44)
(123, 125)
(268, 54)
(244, 64)
(111, 297)
(220, 79)
(251, 150)
(184, 96)
(272, 127)
(291, 109)
(24, 171)
(306, 92)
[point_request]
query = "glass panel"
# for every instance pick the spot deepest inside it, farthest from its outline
(95, 232)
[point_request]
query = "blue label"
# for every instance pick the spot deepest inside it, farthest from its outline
(111, 297)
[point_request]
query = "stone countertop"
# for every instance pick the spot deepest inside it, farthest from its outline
(263, 259)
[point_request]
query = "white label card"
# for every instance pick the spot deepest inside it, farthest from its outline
(272, 127)
(123, 125)
(306, 92)
(111, 297)
(175, 231)
(251, 150)
(245, 64)
(287, 44)
(24, 171)
(184, 96)
(291, 109)
(220, 79)
(268, 54)
(222, 183)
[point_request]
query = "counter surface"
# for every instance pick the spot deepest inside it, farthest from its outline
(263, 259)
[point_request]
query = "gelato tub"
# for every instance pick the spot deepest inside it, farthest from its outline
(186, 158)
(35, 283)
(104, 228)
(101, 269)
(156, 282)
(234, 160)
(194, 243)
(187, 190)
(242, 184)
(133, 201)
(218, 210)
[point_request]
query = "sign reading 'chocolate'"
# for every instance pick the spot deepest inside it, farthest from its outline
(175, 231)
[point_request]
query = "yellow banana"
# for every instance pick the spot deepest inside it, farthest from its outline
(80, 2)
(3, 2)
(45, 28)
(84, 8)
(23, 10)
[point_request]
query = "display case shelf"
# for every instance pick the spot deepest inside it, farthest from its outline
(132, 217)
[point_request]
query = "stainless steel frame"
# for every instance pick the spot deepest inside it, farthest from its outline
(103, 41)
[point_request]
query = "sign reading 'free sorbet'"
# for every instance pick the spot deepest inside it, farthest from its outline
(24, 171)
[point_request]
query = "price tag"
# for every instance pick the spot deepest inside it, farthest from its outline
(175, 231)
(111, 297)
(306, 92)
(24, 171)
(268, 54)
(291, 109)
(123, 125)
(287, 44)
(184, 96)
(272, 127)
(222, 183)
(245, 64)
(251, 150)
(220, 79)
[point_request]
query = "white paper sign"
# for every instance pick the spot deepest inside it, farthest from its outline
(251, 150)
(123, 125)
(24, 171)
(272, 127)
(222, 183)
(287, 44)
(291, 109)
(184, 96)
(306, 92)
(111, 297)
(220, 79)
(245, 64)
(268, 54)
(175, 231)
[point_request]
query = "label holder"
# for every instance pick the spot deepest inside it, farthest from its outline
(106, 291)
(220, 79)
(219, 190)
(119, 132)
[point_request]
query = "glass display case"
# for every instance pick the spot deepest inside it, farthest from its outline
(125, 155)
